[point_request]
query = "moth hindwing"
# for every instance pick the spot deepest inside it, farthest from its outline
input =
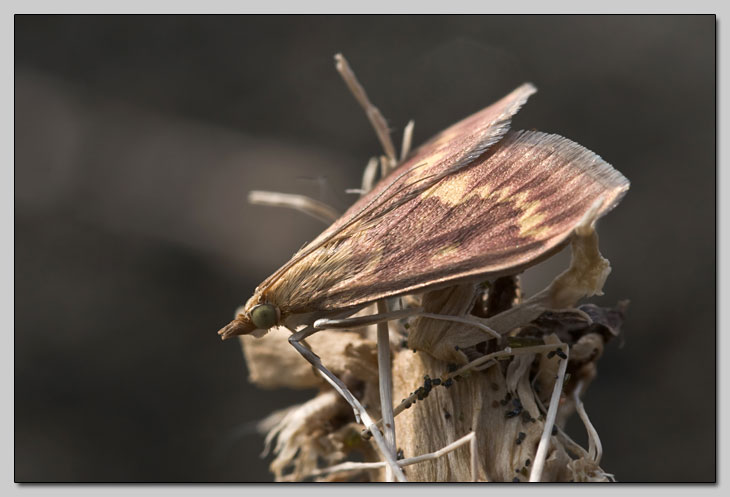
(474, 202)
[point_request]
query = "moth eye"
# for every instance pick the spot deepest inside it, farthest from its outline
(264, 316)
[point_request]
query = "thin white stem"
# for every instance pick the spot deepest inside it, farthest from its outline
(474, 453)
(352, 466)
(369, 175)
(595, 448)
(543, 446)
(302, 203)
(407, 139)
(385, 380)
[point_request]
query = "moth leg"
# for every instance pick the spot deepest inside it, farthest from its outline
(361, 414)
(297, 341)
(358, 321)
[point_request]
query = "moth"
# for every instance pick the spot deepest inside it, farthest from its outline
(475, 202)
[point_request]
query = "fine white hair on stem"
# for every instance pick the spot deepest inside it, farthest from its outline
(595, 449)
(552, 412)
(374, 116)
(385, 381)
(302, 203)
(407, 139)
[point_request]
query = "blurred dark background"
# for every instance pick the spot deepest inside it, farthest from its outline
(138, 137)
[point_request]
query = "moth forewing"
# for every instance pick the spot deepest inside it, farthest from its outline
(444, 154)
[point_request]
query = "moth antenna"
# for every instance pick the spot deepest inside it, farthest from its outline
(374, 116)
(301, 203)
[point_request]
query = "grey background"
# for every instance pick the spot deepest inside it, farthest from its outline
(137, 138)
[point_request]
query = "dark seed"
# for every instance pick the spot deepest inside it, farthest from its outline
(550, 354)
(555, 430)
(399, 454)
(515, 480)
(561, 354)
(436, 381)
(527, 463)
(448, 383)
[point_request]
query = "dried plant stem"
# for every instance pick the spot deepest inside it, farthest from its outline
(407, 140)
(552, 412)
(374, 116)
(469, 438)
(369, 175)
(480, 364)
(473, 321)
(302, 203)
(385, 380)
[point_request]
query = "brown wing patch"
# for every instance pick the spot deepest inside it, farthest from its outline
(508, 208)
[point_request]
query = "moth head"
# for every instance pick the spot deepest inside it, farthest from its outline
(252, 319)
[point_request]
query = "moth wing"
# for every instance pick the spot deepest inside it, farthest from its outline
(440, 156)
(508, 209)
